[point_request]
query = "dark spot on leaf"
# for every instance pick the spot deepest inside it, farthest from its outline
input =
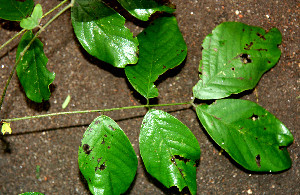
(111, 128)
(108, 147)
(265, 128)
(134, 77)
(99, 159)
(241, 78)
(269, 62)
(182, 50)
(248, 46)
(281, 147)
(178, 157)
(250, 78)
(103, 142)
(164, 67)
(257, 158)
(145, 33)
(261, 36)
(101, 167)
(232, 68)
(216, 117)
(243, 30)
(245, 58)
(105, 135)
(256, 138)
(254, 117)
(86, 149)
(261, 49)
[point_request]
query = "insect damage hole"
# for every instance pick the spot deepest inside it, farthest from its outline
(101, 167)
(257, 159)
(86, 149)
(111, 128)
(245, 58)
(254, 117)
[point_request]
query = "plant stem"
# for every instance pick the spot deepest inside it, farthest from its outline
(90, 111)
(29, 44)
(10, 40)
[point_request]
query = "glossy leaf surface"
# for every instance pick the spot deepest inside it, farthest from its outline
(169, 150)
(252, 136)
(143, 9)
(14, 10)
(32, 70)
(162, 47)
(34, 20)
(102, 33)
(106, 158)
(234, 57)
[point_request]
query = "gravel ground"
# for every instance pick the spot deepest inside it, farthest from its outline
(52, 143)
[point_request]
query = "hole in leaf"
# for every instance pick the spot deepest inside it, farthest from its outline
(257, 159)
(103, 142)
(265, 128)
(111, 128)
(178, 157)
(245, 58)
(248, 46)
(269, 62)
(232, 68)
(261, 36)
(254, 117)
(86, 149)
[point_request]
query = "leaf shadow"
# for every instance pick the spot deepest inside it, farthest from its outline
(10, 25)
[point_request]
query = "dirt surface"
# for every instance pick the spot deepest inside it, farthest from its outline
(52, 143)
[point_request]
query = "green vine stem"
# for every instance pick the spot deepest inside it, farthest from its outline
(90, 111)
(29, 44)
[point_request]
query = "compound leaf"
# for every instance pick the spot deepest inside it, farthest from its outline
(169, 150)
(106, 158)
(252, 136)
(32, 70)
(34, 20)
(102, 33)
(14, 10)
(234, 57)
(143, 9)
(161, 47)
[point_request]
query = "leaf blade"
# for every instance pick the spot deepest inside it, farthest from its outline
(102, 33)
(252, 136)
(34, 20)
(106, 157)
(143, 9)
(235, 56)
(169, 150)
(162, 47)
(15, 10)
(32, 70)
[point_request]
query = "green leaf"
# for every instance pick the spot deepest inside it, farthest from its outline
(102, 33)
(234, 57)
(143, 9)
(34, 20)
(252, 136)
(106, 158)
(31, 193)
(169, 150)
(161, 47)
(32, 70)
(14, 10)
